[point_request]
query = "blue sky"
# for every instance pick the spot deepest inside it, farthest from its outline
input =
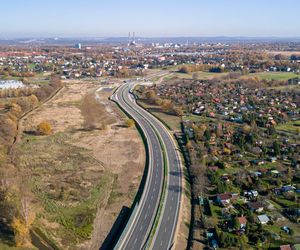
(98, 18)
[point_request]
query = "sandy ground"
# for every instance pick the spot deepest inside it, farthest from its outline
(118, 150)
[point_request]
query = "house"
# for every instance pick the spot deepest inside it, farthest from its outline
(243, 222)
(287, 189)
(272, 159)
(259, 162)
(263, 219)
(213, 168)
(274, 172)
(285, 247)
(252, 194)
(257, 207)
(224, 199)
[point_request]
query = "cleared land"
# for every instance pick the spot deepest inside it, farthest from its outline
(84, 173)
(285, 53)
(281, 76)
(201, 75)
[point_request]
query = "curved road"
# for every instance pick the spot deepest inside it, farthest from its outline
(136, 235)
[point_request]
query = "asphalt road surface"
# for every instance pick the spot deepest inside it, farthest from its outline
(137, 232)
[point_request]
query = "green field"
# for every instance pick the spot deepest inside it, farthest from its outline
(198, 118)
(290, 127)
(281, 76)
(172, 121)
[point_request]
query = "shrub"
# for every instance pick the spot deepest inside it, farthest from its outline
(44, 128)
(129, 123)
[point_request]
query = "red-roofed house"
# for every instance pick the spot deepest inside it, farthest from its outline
(243, 221)
(285, 247)
(224, 199)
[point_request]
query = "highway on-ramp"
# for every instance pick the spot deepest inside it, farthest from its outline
(161, 148)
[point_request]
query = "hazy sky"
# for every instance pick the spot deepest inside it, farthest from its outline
(149, 18)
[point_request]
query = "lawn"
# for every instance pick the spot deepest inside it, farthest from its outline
(290, 127)
(284, 237)
(281, 76)
(215, 210)
(198, 118)
(172, 121)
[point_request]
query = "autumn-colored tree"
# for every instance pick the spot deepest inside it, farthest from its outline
(15, 109)
(178, 111)
(219, 130)
(44, 128)
(8, 128)
(167, 106)
(21, 232)
(129, 123)
(184, 69)
(151, 95)
(246, 129)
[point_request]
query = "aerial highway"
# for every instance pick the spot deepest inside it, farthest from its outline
(161, 150)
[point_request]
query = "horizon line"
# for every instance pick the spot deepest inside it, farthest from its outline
(141, 37)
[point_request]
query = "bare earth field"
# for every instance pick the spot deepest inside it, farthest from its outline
(82, 174)
(285, 53)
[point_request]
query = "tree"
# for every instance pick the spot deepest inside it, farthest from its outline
(129, 123)
(276, 148)
(271, 130)
(8, 128)
(167, 106)
(184, 69)
(243, 240)
(219, 130)
(207, 134)
(246, 129)
(44, 128)
(178, 111)
(151, 95)
(21, 232)
(236, 223)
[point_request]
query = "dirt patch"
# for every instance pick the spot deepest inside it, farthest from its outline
(62, 111)
(284, 53)
(80, 177)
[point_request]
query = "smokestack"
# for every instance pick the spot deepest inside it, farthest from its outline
(133, 36)
(129, 38)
